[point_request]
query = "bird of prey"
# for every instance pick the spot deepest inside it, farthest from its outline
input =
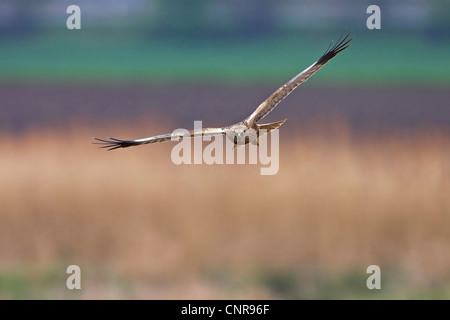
(247, 130)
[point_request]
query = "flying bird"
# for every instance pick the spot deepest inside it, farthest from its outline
(247, 130)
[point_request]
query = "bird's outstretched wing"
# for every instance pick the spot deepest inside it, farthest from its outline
(270, 103)
(113, 143)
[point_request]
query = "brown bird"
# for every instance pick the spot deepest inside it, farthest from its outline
(247, 130)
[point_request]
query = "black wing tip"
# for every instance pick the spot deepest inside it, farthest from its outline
(113, 143)
(341, 44)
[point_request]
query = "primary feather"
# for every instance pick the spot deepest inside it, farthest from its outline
(270, 103)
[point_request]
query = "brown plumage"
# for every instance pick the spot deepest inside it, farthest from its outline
(247, 130)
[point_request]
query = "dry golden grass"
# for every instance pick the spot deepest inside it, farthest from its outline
(335, 205)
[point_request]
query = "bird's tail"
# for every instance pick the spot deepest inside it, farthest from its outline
(267, 127)
(271, 126)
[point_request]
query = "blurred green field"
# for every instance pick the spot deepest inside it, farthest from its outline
(105, 56)
(49, 283)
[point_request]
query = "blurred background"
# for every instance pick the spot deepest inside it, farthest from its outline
(364, 156)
